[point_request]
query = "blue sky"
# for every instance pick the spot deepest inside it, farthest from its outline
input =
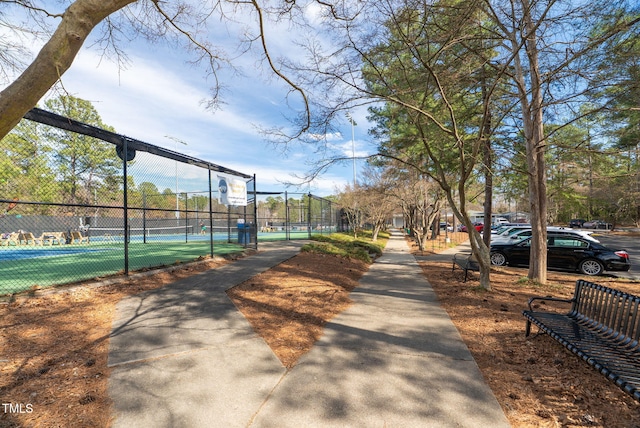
(159, 98)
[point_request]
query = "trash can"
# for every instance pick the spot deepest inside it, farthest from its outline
(244, 233)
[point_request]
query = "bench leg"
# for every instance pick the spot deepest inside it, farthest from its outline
(527, 329)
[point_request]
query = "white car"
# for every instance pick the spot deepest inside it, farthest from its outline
(499, 221)
(518, 235)
(506, 231)
(503, 227)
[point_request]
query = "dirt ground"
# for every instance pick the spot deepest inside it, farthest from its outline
(53, 348)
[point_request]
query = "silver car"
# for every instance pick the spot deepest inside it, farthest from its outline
(518, 235)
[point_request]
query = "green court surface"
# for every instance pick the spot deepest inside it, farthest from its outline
(24, 267)
(281, 235)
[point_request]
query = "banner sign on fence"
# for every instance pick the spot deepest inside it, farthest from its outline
(232, 191)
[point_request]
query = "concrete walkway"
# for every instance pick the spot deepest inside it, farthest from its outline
(182, 356)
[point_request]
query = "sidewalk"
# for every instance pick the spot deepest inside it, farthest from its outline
(183, 356)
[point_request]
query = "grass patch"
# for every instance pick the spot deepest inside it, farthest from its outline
(345, 245)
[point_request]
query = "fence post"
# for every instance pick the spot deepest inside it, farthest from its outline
(255, 211)
(186, 217)
(210, 213)
(144, 217)
(229, 223)
(126, 206)
(287, 225)
(309, 216)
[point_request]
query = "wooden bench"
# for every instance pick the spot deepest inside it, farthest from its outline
(466, 262)
(53, 237)
(77, 238)
(602, 327)
(9, 238)
(27, 238)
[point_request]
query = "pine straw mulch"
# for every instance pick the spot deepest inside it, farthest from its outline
(53, 348)
(289, 305)
(536, 380)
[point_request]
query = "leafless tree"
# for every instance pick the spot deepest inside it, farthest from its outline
(427, 62)
(376, 196)
(183, 22)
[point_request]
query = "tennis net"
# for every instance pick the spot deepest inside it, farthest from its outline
(140, 233)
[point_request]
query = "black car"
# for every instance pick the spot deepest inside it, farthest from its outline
(576, 222)
(564, 252)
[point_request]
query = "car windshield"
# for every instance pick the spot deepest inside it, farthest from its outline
(501, 229)
(515, 230)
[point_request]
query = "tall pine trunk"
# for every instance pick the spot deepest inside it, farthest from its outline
(535, 145)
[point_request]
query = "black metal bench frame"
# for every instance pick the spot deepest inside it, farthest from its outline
(466, 262)
(602, 328)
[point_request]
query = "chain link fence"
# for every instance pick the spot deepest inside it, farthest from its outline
(79, 202)
(294, 215)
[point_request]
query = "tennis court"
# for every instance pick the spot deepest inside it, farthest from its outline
(25, 267)
(58, 265)
(150, 206)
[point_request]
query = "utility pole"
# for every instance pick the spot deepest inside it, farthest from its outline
(353, 146)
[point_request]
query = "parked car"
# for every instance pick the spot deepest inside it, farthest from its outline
(565, 252)
(479, 226)
(501, 228)
(576, 222)
(446, 226)
(499, 221)
(509, 230)
(597, 224)
(520, 234)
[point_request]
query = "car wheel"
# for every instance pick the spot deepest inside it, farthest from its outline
(591, 267)
(498, 259)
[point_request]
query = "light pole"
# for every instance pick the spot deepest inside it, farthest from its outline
(181, 142)
(353, 146)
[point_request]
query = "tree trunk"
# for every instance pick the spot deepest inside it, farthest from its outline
(478, 246)
(488, 162)
(481, 251)
(54, 59)
(535, 142)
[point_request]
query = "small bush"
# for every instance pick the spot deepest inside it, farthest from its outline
(345, 245)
